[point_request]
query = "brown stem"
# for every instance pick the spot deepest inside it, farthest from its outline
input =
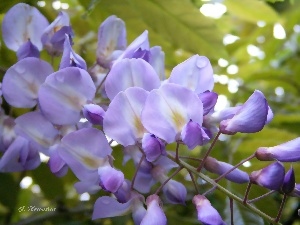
(167, 180)
(102, 82)
(247, 192)
(208, 152)
(136, 171)
(177, 154)
(231, 210)
(194, 182)
(281, 208)
(260, 197)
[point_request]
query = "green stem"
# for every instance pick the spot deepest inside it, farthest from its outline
(224, 190)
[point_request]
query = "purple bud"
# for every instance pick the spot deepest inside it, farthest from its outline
(153, 147)
(288, 182)
(93, 113)
(28, 50)
(175, 192)
(110, 178)
(270, 177)
(218, 167)
(193, 134)
(155, 214)
(124, 192)
(250, 118)
(286, 152)
(296, 191)
(207, 214)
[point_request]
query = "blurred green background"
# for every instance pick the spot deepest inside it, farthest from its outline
(252, 45)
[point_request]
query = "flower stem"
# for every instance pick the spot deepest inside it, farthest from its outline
(136, 171)
(208, 152)
(177, 154)
(281, 208)
(231, 210)
(167, 180)
(260, 197)
(194, 182)
(224, 190)
(247, 193)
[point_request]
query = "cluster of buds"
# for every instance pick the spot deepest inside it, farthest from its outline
(124, 97)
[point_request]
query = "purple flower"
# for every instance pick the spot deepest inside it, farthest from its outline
(111, 41)
(218, 167)
(296, 191)
(270, 177)
(122, 119)
(64, 93)
(286, 152)
(7, 131)
(56, 164)
(207, 214)
(130, 73)
(250, 118)
(19, 156)
(157, 61)
(195, 73)
(28, 25)
(168, 109)
(153, 147)
(22, 81)
(209, 100)
(110, 178)
(289, 182)
(155, 214)
(93, 113)
(53, 37)
(70, 58)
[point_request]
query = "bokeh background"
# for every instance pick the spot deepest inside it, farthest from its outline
(252, 44)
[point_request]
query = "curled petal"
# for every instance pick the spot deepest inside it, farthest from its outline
(19, 156)
(70, 58)
(209, 100)
(286, 152)
(153, 147)
(22, 81)
(109, 207)
(195, 73)
(110, 178)
(270, 177)
(207, 214)
(168, 109)
(93, 113)
(28, 24)
(64, 93)
(56, 164)
(28, 50)
(250, 118)
(122, 119)
(218, 167)
(193, 134)
(130, 73)
(111, 40)
(155, 214)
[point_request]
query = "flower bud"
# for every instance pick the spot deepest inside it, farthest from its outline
(209, 100)
(288, 182)
(206, 213)
(154, 214)
(286, 152)
(270, 177)
(218, 167)
(175, 192)
(93, 113)
(110, 178)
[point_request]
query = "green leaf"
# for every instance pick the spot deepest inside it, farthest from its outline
(8, 190)
(252, 10)
(241, 215)
(51, 185)
(273, 1)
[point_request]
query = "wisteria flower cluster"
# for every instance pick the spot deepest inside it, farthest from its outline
(125, 97)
